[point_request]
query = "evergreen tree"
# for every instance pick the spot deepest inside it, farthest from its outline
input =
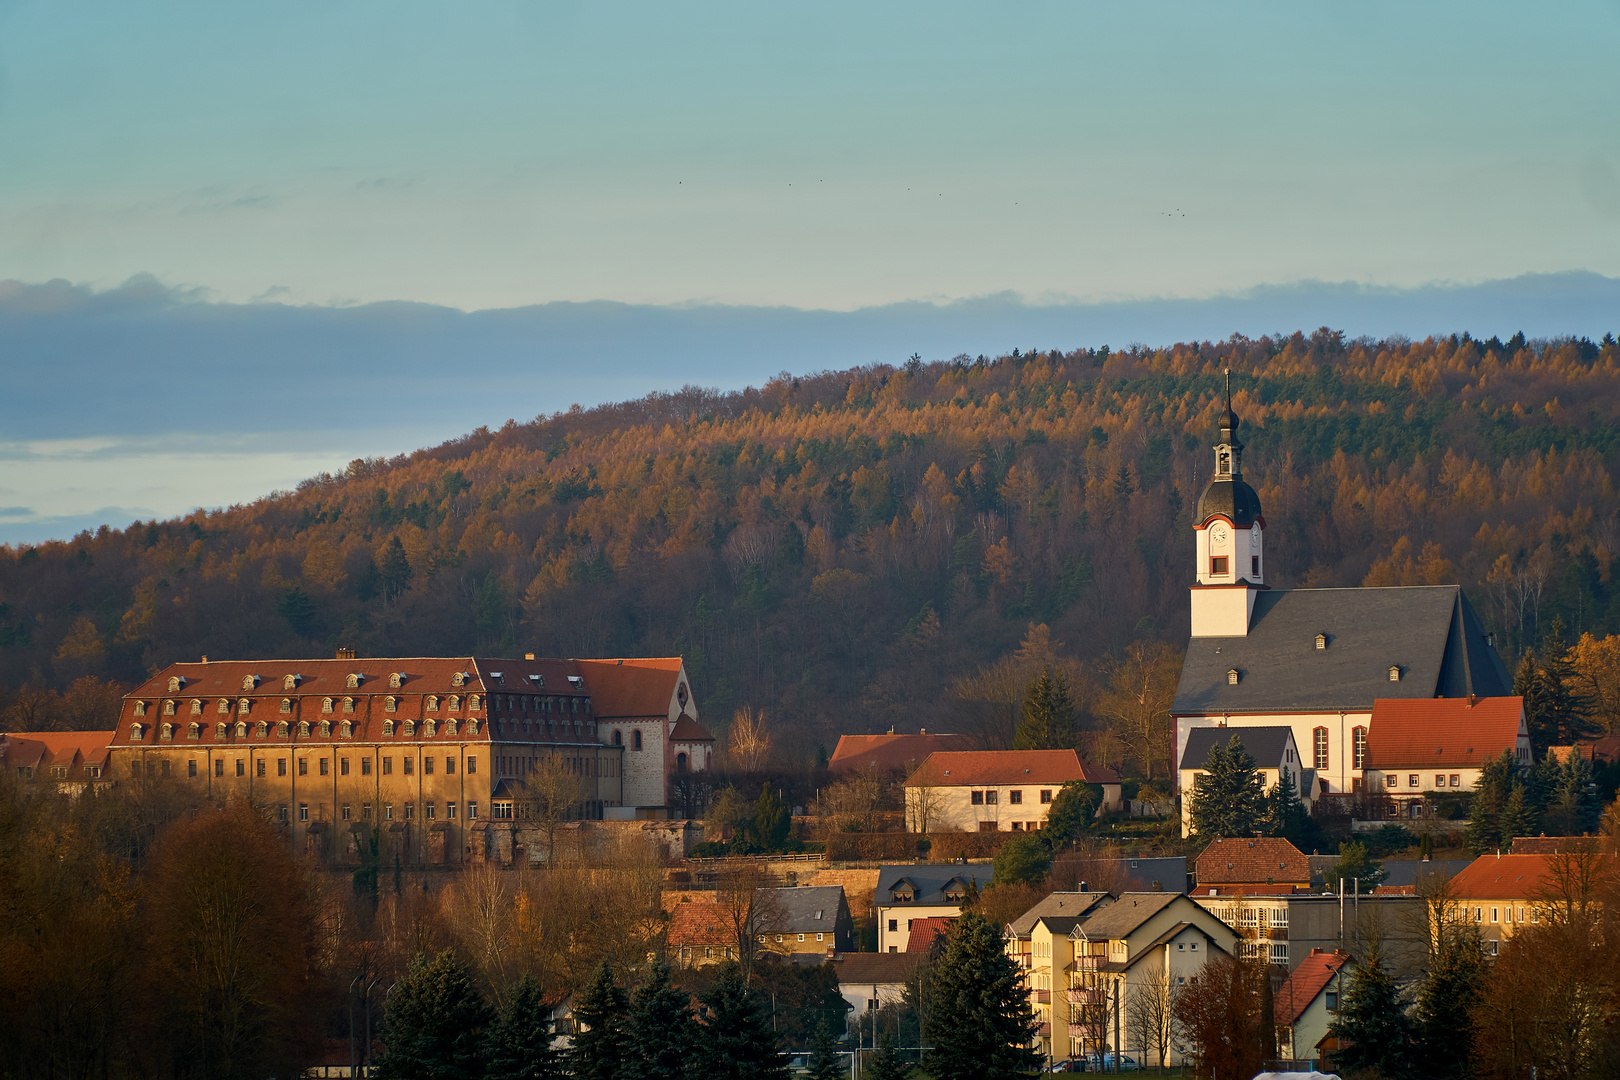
(737, 1041)
(663, 1043)
(981, 1024)
(433, 1024)
(1285, 813)
(885, 1063)
(1372, 1026)
(1071, 814)
(1023, 858)
(1573, 806)
(824, 1061)
(601, 1047)
(1446, 1005)
(1496, 782)
(1555, 711)
(395, 572)
(1354, 863)
(518, 1046)
(1518, 816)
(772, 821)
(1229, 796)
(1048, 721)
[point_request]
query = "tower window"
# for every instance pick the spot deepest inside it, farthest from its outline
(1217, 565)
(1254, 565)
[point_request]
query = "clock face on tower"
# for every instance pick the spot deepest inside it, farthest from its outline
(1217, 532)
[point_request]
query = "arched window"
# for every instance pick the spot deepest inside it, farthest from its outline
(346, 729)
(472, 727)
(1319, 747)
(326, 705)
(472, 703)
(224, 706)
(348, 704)
(168, 707)
(353, 681)
(263, 729)
(396, 680)
(194, 732)
(391, 703)
(244, 706)
(219, 730)
(289, 682)
(166, 732)
(175, 684)
(250, 682)
(635, 740)
(410, 727)
(286, 704)
(241, 729)
(680, 762)
(140, 708)
(1358, 745)
(618, 738)
(449, 727)
(455, 702)
(459, 678)
(196, 706)
(326, 729)
(428, 727)
(432, 702)
(303, 729)
(388, 727)
(137, 732)
(281, 729)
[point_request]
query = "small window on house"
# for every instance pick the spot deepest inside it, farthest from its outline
(219, 730)
(1232, 676)
(1046, 796)
(1439, 781)
(281, 729)
(303, 766)
(410, 727)
(326, 705)
(353, 681)
(1016, 798)
(977, 798)
(176, 684)
(250, 682)
(472, 764)
(289, 682)
(635, 740)
(1358, 747)
(1321, 641)
(391, 704)
(224, 706)
(346, 729)
(137, 732)
(458, 679)
(140, 708)
(241, 729)
(990, 798)
(281, 766)
(1319, 748)
(455, 702)
(1394, 673)
(303, 729)
(432, 702)
(166, 733)
(388, 766)
(343, 766)
(258, 768)
(1390, 781)
(168, 707)
(1217, 565)
(472, 703)
(244, 706)
(348, 704)
(194, 732)
(427, 766)
(388, 727)
(262, 729)
(396, 680)
(1456, 780)
(286, 704)
(1412, 780)
(429, 727)
(196, 706)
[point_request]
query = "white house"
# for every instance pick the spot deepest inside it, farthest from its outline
(996, 790)
(1439, 745)
(1307, 1002)
(1276, 757)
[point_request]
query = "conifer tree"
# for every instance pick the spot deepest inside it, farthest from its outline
(1518, 816)
(1447, 1002)
(1496, 782)
(601, 1047)
(885, 1063)
(981, 1024)
(1229, 796)
(1071, 814)
(433, 1024)
(737, 1041)
(519, 1043)
(772, 822)
(1372, 1027)
(1285, 813)
(1048, 720)
(1573, 806)
(663, 1041)
(824, 1060)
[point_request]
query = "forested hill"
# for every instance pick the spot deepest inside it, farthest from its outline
(837, 549)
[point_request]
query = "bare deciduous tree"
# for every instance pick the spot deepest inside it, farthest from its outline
(748, 742)
(1147, 1014)
(751, 908)
(549, 794)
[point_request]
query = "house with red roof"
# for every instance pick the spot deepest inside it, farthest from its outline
(890, 753)
(1504, 893)
(1307, 1002)
(74, 757)
(1416, 747)
(996, 790)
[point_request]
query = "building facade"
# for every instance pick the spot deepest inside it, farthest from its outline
(908, 893)
(996, 790)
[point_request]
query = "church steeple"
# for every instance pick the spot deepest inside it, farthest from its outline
(1229, 529)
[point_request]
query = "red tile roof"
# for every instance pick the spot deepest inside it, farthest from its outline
(632, 687)
(1502, 877)
(891, 753)
(687, 729)
(923, 932)
(1441, 732)
(700, 923)
(61, 749)
(949, 768)
(1263, 859)
(1305, 982)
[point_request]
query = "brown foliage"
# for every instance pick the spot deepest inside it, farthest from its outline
(1224, 1017)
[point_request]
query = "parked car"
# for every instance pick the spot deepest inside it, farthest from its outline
(1091, 1063)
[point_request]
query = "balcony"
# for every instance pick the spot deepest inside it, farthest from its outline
(1084, 997)
(1093, 962)
(1043, 997)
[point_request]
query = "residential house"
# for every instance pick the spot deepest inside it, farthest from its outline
(890, 753)
(701, 932)
(1415, 749)
(1259, 864)
(1275, 754)
(1306, 1003)
(1142, 943)
(1039, 943)
(1504, 893)
(60, 757)
(1315, 660)
(815, 919)
(908, 893)
(996, 790)
(871, 981)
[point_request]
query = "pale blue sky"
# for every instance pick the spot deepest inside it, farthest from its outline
(256, 171)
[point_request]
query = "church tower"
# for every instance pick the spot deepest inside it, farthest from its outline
(1229, 528)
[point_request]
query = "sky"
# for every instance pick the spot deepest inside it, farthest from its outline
(212, 194)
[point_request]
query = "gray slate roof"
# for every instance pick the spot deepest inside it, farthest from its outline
(1155, 875)
(1123, 916)
(1057, 905)
(1407, 871)
(929, 881)
(1264, 744)
(801, 906)
(1430, 631)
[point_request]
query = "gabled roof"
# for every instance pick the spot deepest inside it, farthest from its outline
(1004, 768)
(891, 753)
(809, 908)
(1057, 905)
(1410, 871)
(1120, 919)
(1264, 744)
(1503, 877)
(632, 687)
(1267, 859)
(1305, 983)
(879, 969)
(928, 880)
(687, 729)
(44, 749)
(1442, 732)
(1429, 632)
(924, 931)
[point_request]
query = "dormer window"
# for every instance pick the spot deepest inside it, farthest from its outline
(428, 727)
(168, 707)
(263, 729)
(410, 727)
(166, 733)
(458, 678)
(224, 706)
(290, 682)
(244, 706)
(1395, 673)
(1321, 641)
(354, 680)
(281, 729)
(903, 892)
(499, 677)
(449, 727)
(303, 729)
(326, 729)
(241, 729)
(346, 729)
(455, 702)
(390, 704)
(472, 726)
(396, 680)
(140, 708)
(576, 681)
(432, 703)
(176, 683)
(196, 706)
(219, 730)
(1232, 676)
(286, 704)
(348, 704)
(326, 704)
(539, 681)
(472, 703)
(194, 732)
(250, 682)
(388, 727)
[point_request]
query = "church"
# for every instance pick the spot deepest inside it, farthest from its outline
(1311, 660)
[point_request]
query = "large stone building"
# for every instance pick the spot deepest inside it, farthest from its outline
(437, 753)
(1314, 660)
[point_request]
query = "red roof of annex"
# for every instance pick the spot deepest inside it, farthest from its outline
(891, 752)
(1004, 768)
(1414, 733)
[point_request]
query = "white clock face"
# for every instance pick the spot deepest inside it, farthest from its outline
(1254, 539)
(1217, 533)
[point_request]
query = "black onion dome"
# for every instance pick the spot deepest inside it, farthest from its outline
(1232, 499)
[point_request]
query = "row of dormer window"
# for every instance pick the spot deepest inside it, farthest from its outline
(353, 681)
(245, 705)
(345, 729)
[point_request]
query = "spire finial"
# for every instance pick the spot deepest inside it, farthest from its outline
(1228, 389)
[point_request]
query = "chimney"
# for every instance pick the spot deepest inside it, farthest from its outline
(205, 658)
(345, 652)
(922, 731)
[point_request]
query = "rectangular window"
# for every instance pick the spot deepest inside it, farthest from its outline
(450, 811)
(894, 926)
(345, 811)
(1217, 565)
(1254, 565)
(1390, 781)
(978, 798)
(407, 765)
(1456, 781)
(191, 768)
(388, 766)
(303, 811)
(365, 766)
(501, 811)
(241, 767)
(388, 811)
(1332, 1001)
(323, 767)
(281, 813)
(427, 811)
(219, 767)
(990, 798)
(343, 766)
(1319, 744)
(472, 764)
(410, 811)
(303, 766)
(1046, 797)
(449, 766)
(427, 766)
(258, 767)
(1493, 946)
(1494, 913)
(166, 767)
(1439, 781)
(1359, 747)
(1412, 780)
(365, 811)
(472, 811)
(281, 766)
(1016, 798)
